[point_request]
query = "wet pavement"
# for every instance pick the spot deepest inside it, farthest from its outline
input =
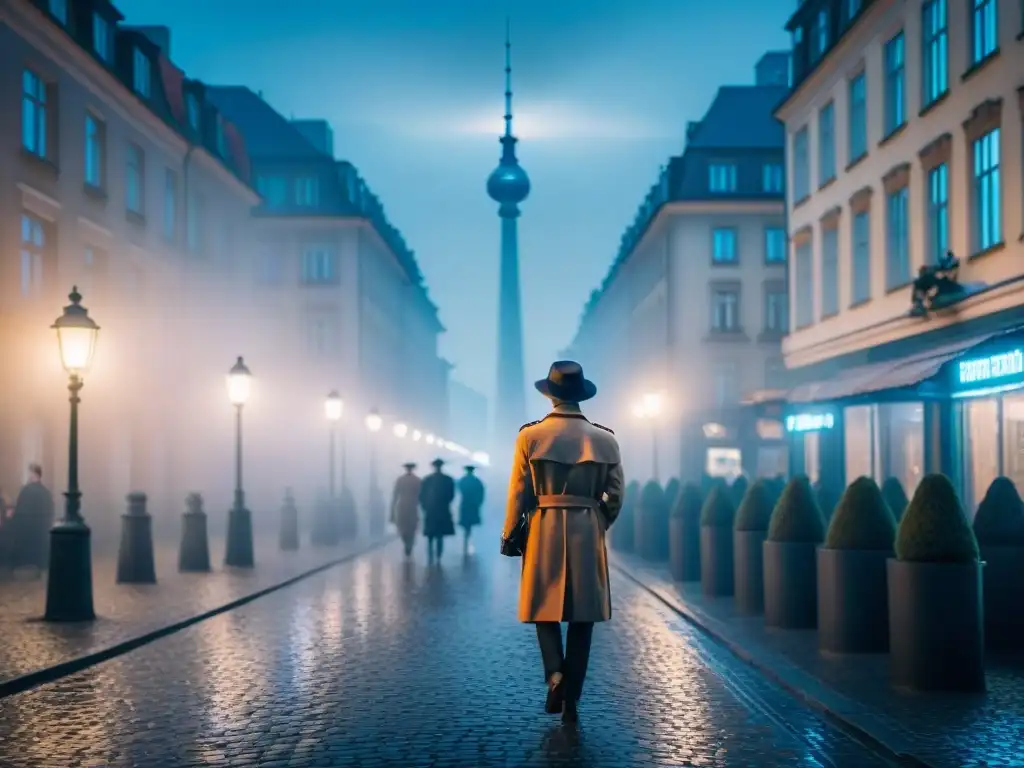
(379, 662)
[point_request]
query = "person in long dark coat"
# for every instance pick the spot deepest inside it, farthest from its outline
(471, 498)
(437, 491)
(29, 527)
(404, 503)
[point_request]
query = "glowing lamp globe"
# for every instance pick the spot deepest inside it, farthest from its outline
(239, 383)
(334, 406)
(416, 435)
(401, 430)
(430, 439)
(76, 335)
(373, 421)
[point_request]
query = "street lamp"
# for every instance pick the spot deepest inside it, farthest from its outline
(326, 528)
(334, 407)
(69, 584)
(401, 430)
(374, 423)
(649, 409)
(239, 545)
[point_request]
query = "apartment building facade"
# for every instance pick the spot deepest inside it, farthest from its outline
(695, 305)
(119, 176)
(354, 313)
(904, 129)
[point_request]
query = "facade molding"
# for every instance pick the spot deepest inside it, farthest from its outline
(985, 117)
(39, 203)
(830, 219)
(936, 152)
(896, 178)
(860, 201)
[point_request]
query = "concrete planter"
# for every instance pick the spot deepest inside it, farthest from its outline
(790, 585)
(748, 570)
(936, 626)
(684, 548)
(716, 561)
(1003, 592)
(853, 601)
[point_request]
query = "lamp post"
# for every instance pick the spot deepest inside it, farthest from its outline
(374, 422)
(334, 407)
(239, 545)
(327, 530)
(69, 583)
(649, 409)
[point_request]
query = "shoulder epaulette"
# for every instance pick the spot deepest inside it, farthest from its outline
(601, 426)
(529, 424)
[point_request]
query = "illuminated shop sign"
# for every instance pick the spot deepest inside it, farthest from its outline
(810, 422)
(991, 370)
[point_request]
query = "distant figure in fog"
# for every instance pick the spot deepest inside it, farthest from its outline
(567, 481)
(27, 535)
(471, 498)
(436, 495)
(405, 513)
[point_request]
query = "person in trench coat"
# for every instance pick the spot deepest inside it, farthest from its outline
(436, 495)
(567, 479)
(471, 498)
(405, 501)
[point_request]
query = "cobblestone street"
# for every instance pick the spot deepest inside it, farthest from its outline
(379, 662)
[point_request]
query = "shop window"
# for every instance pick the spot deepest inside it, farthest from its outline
(812, 456)
(1013, 439)
(903, 425)
(981, 450)
(860, 425)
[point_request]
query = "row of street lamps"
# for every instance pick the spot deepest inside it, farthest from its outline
(69, 594)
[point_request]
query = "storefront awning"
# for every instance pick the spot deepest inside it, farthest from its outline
(878, 377)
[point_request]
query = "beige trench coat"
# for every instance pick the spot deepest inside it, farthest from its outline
(564, 466)
(405, 503)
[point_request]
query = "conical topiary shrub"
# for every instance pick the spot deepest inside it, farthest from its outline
(671, 492)
(716, 521)
(684, 534)
(739, 490)
(853, 614)
(935, 595)
(895, 497)
(999, 528)
(652, 522)
(790, 567)
(622, 531)
(749, 531)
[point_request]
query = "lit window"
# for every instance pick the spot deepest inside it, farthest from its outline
(141, 75)
(307, 191)
(725, 308)
(32, 244)
(726, 383)
(861, 249)
(319, 265)
(220, 138)
(826, 144)
(804, 285)
(34, 114)
(985, 26)
(821, 35)
(895, 85)
(772, 177)
(273, 190)
(192, 108)
(135, 175)
(775, 245)
(59, 10)
(170, 206)
(858, 128)
(95, 149)
(938, 213)
(987, 209)
(897, 247)
(723, 246)
(776, 308)
(722, 177)
(852, 9)
(102, 42)
(801, 166)
(829, 271)
(935, 50)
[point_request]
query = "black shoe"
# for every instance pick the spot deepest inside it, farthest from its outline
(569, 714)
(556, 693)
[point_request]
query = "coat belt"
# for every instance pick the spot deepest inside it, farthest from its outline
(566, 501)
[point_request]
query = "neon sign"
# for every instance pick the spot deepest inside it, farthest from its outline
(983, 370)
(810, 422)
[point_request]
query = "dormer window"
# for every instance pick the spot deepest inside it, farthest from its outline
(102, 38)
(141, 74)
(221, 142)
(59, 10)
(192, 107)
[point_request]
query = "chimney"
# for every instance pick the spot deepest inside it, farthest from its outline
(159, 36)
(318, 133)
(772, 69)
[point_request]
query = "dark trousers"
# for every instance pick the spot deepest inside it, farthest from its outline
(435, 547)
(573, 663)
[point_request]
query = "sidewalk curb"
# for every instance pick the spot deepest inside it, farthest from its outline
(39, 677)
(887, 745)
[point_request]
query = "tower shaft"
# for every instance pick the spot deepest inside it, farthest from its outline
(510, 410)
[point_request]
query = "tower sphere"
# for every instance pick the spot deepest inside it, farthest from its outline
(508, 184)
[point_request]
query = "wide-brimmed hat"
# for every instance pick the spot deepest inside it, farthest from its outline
(566, 381)
(437, 463)
(410, 465)
(469, 468)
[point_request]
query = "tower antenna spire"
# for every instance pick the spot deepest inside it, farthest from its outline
(508, 77)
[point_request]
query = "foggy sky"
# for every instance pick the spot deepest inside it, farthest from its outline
(413, 90)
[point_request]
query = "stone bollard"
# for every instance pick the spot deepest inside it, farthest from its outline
(194, 554)
(289, 538)
(135, 563)
(238, 552)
